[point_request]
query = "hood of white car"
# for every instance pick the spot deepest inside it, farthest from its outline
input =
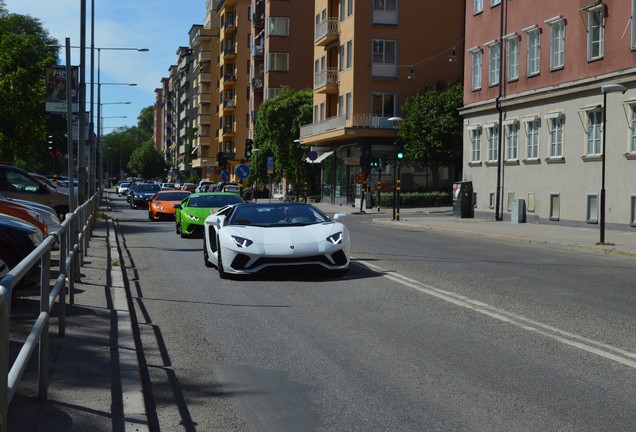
(286, 235)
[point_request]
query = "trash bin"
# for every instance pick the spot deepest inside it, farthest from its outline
(518, 211)
(463, 199)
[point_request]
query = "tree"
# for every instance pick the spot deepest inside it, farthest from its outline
(26, 49)
(277, 126)
(147, 162)
(432, 128)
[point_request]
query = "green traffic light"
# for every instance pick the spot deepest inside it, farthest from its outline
(400, 155)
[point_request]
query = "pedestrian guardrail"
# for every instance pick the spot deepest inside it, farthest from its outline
(73, 236)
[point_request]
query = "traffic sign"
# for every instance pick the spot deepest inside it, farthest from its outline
(242, 171)
(312, 155)
(270, 162)
(225, 176)
(360, 178)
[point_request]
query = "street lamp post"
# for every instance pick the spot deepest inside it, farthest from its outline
(396, 174)
(608, 88)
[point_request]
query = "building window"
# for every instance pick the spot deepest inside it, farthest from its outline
(632, 210)
(349, 54)
(555, 128)
(348, 105)
(384, 5)
(383, 104)
(595, 32)
(555, 206)
(342, 11)
(594, 137)
(384, 54)
(557, 43)
(494, 2)
(277, 62)
(512, 141)
(492, 135)
(341, 58)
(478, 6)
(316, 114)
(534, 50)
(532, 139)
(349, 7)
(513, 57)
(476, 68)
(277, 26)
(511, 198)
(592, 209)
(475, 144)
(493, 63)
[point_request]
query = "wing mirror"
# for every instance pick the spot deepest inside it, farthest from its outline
(339, 217)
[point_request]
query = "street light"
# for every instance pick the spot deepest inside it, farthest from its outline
(396, 179)
(608, 88)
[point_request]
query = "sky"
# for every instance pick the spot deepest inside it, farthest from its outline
(158, 25)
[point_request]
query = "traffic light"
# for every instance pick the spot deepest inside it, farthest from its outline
(249, 148)
(400, 150)
(373, 163)
(221, 160)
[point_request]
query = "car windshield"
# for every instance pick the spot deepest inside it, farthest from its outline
(277, 215)
(147, 188)
(172, 196)
(213, 201)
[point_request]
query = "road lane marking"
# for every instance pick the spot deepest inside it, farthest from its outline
(607, 351)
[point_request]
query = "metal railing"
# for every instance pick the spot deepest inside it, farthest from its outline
(73, 236)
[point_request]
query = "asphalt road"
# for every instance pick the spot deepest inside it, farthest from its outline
(426, 332)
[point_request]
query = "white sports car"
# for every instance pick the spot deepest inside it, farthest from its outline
(248, 238)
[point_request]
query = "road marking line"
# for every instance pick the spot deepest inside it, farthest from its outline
(609, 352)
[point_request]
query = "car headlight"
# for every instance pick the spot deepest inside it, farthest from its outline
(36, 237)
(193, 218)
(241, 241)
(335, 238)
(158, 206)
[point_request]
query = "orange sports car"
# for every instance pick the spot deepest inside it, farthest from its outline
(161, 205)
(25, 213)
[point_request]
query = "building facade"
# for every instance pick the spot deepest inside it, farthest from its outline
(368, 58)
(542, 79)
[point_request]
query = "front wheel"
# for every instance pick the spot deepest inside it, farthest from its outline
(222, 273)
(206, 257)
(178, 227)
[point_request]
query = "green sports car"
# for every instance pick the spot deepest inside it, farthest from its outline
(191, 212)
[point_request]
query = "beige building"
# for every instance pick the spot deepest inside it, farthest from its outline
(534, 94)
(369, 57)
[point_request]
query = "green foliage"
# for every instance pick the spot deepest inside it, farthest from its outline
(432, 127)
(277, 126)
(147, 162)
(417, 199)
(25, 52)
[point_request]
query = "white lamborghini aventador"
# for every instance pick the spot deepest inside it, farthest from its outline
(249, 238)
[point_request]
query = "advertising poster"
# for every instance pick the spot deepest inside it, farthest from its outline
(56, 89)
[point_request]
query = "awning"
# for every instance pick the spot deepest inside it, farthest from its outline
(320, 158)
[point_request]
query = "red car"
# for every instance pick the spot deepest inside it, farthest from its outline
(161, 205)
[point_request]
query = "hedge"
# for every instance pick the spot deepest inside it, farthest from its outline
(416, 199)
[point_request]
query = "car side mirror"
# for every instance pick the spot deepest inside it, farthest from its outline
(177, 206)
(339, 217)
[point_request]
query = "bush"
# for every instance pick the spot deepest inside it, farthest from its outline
(417, 199)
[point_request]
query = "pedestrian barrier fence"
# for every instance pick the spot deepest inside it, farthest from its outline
(73, 236)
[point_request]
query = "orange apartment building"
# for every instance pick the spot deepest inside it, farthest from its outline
(542, 78)
(368, 58)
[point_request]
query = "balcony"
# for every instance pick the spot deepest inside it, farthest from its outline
(229, 53)
(327, 32)
(257, 84)
(353, 125)
(257, 51)
(229, 80)
(385, 16)
(230, 26)
(204, 118)
(204, 57)
(228, 131)
(229, 105)
(326, 81)
(205, 77)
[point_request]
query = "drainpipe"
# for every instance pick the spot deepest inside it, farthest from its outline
(500, 155)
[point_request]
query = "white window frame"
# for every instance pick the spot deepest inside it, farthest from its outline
(349, 54)
(593, 132)
(277, 26)
(277, 62)
(478, 6)
(476, 68)
(511, 134)
(384, 53)
(533, 50)
(531, 125)
(555, 206)
(512, 56)
(592, 208)
(494, 53)
(341, 58)
(492, 137)
(555, 123)
(494, 3)
(385, 5)
(385, 97)
(632, 128)
(595, 32)
(557, 42)
(474, 133)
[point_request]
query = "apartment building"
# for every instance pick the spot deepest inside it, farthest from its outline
(368, 58)
(550, 110)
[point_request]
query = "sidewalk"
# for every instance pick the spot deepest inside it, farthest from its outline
(95, 381)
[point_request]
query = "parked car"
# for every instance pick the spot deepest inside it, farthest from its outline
(17, 240)
(188, 186)
(25, 213)
(168, 186)
(161, 205)
(142, 193)
(122, 188)
(249, 238)
(192, 211)
(49, 215)
(203, 185)
(16, 183)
